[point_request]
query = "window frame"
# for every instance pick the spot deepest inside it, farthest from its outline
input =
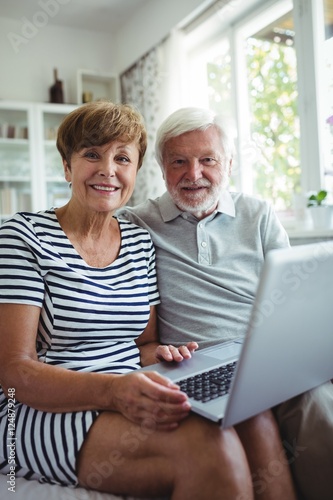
(308, 17)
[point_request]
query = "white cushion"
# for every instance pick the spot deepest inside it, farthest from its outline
(33, 490)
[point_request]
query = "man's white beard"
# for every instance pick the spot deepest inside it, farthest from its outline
(210, 197)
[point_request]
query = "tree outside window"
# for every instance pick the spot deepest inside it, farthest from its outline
(272, 98)
(272, 88)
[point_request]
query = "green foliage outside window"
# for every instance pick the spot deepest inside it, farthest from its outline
(272, 80)
(272, 89)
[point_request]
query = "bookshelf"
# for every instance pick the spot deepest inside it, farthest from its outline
(31, 175)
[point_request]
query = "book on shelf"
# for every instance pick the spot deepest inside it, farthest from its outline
(8, 200)
(13, 200)
(13, 131)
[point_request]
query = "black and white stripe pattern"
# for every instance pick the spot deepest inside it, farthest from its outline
(90, 318)
(47, 444)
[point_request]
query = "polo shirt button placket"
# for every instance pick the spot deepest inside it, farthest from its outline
(203, 245)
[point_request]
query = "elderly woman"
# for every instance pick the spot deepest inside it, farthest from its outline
(77, 318)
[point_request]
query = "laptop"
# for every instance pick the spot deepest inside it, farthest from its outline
(286, 351)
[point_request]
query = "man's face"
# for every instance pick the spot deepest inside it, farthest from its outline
(196, 170)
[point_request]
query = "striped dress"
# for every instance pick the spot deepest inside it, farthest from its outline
(90, 318)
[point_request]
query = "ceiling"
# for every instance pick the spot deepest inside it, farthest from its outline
(93, 15)
(98, 15)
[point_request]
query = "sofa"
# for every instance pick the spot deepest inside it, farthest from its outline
(33, 490)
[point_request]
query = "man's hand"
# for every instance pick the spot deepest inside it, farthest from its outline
(172, 353)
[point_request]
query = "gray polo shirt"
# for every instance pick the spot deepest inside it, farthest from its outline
(208, 269)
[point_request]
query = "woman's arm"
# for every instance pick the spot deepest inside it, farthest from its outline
(37, 384)
(151, 351)
(55, 389)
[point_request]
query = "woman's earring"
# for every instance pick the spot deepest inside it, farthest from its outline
(70, 185)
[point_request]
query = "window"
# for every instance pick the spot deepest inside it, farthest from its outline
(327, 82)
(270, 82)
(263, 69)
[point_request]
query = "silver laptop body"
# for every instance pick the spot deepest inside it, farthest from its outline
(288, 347)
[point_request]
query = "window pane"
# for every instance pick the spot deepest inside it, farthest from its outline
(272, 89)
(259, 89)
(219, 79)
(328, 94)
(219, 85)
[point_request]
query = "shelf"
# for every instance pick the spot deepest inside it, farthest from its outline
(12, 178)
(14, 124)
(92, 86)
(310, 233)
(31, 170)
(57, 179)
(13, 142)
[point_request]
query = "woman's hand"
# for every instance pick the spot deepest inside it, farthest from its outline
(172, 353)
(149, 400)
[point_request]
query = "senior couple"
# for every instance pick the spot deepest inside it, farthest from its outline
(80, 310)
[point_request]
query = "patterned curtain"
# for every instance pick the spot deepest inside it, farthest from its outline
(141, 87)
(155, 85)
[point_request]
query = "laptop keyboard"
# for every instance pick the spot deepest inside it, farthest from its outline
(210, 384)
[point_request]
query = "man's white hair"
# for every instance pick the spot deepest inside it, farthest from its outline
(189, 119)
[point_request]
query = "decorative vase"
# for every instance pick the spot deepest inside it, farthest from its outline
(56, 91)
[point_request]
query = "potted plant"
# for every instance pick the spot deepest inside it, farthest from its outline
(320, 211)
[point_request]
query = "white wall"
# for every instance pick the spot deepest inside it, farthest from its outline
(151, 25)
(28, 53)
(27, 64)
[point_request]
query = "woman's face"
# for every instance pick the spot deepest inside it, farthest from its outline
(103, 177)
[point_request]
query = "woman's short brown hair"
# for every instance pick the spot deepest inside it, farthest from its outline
(100, 122)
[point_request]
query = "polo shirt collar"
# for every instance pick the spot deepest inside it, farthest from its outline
(169, 211)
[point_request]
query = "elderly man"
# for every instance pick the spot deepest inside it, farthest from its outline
(210, 247)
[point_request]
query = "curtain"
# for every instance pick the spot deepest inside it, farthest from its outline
(153, 85)
(140, 87)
